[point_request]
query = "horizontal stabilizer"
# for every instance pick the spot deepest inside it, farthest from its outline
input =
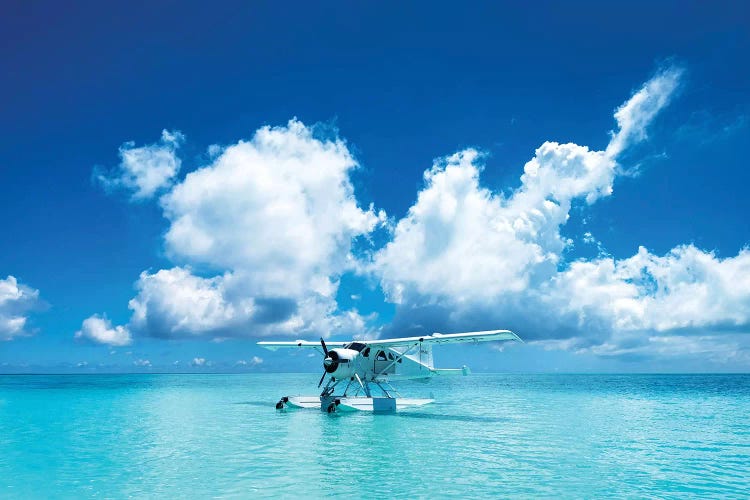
(464, 370)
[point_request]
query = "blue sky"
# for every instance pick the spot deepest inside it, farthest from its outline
(181, 180)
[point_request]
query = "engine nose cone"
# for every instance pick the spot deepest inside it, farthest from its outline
(331, 362)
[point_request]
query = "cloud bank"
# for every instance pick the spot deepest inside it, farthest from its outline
(261, 235)
(467, 257)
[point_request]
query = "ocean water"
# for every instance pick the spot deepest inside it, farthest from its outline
(520, 436)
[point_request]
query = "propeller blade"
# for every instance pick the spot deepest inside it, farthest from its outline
(321, 379)
(325, 349)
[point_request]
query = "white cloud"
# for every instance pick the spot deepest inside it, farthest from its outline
(634, 116)
(254, 361)
(281, 205)
(173, 302)
(143, 363)
(467, 257)
(16, 300)
(147, 169)
(464, 242)
(276, 216)
(99, 329)
(685, 289)
(269, 226)
(200, 362)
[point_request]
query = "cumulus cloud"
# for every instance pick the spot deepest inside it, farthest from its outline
(467, 257)
(686, 289)
(143, 363)
(99, 329)
(462, 241)
(465, 243)
(276, 216)
(281, 205)
(147, 169)
(16, 301)
(173, 302)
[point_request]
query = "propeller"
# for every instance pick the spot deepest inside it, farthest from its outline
(325, 356)
(330, 362)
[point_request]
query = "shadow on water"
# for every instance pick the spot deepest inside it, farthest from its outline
(447, 417)
(264, 404)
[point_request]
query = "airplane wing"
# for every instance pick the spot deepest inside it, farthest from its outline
(435, 338)
(447, 338)
(272, 346)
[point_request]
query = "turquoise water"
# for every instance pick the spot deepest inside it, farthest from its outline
(526, 436)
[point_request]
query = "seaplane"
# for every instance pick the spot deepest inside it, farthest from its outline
(360, 372)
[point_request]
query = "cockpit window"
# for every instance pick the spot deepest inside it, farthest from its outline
(381, 356)
(357, 346)
(366, 352)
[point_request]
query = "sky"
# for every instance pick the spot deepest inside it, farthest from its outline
(180, 180)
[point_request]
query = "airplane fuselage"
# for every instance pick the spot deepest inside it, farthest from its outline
(375, 364)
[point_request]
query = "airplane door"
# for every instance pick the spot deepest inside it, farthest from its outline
(384, 363)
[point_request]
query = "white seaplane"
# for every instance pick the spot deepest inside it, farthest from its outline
(359, 371)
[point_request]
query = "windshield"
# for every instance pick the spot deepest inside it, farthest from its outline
(357, 346)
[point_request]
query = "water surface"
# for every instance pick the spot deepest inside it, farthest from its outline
(117, 436)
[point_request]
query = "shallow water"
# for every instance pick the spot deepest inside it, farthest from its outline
(573, 436)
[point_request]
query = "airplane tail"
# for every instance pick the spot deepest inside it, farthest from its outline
(464, 370)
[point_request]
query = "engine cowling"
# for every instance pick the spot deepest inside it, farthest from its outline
(340, 363)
